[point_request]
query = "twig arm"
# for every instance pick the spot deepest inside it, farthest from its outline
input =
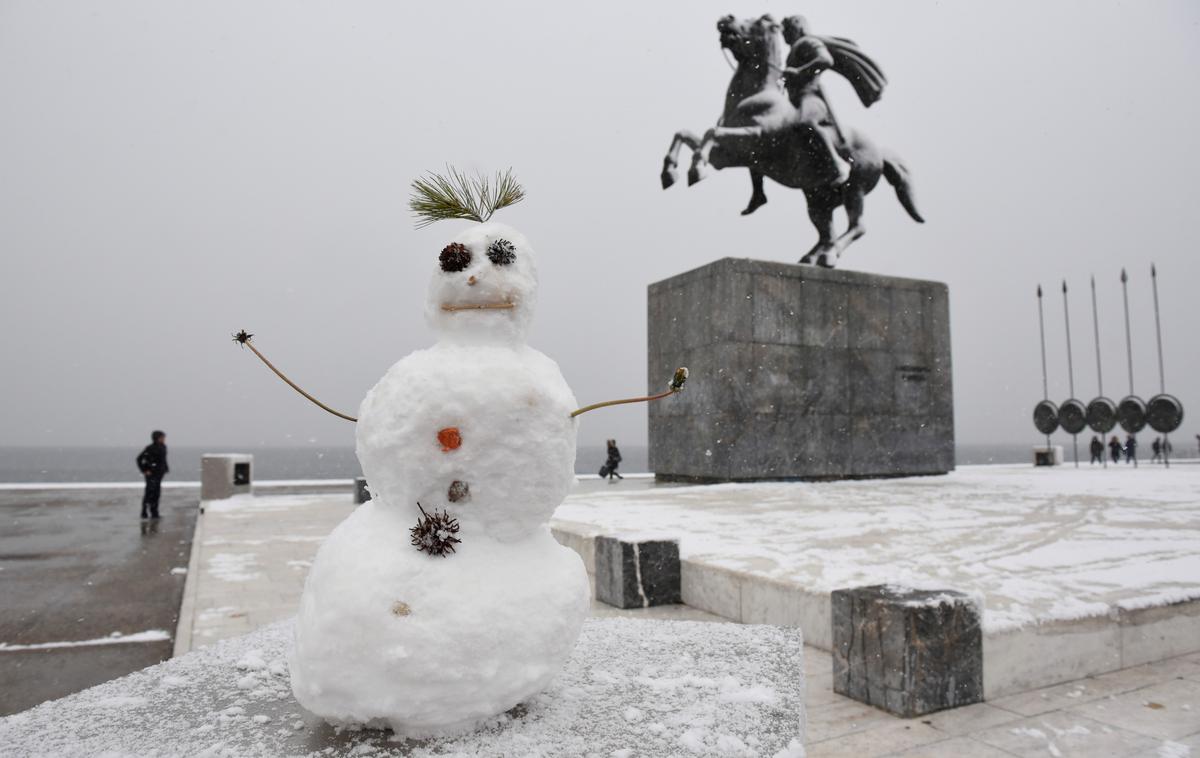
(244, 339)
(675, 387)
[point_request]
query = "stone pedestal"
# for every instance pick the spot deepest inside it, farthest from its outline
(799, 372)
(908, 652)
(225, 475)
(634, 573)
(1050, 456)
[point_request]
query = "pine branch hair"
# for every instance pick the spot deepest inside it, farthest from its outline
(437, 197)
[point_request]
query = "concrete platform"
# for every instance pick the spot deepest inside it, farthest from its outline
(630, 688)
(1080, 572)
(837, 726)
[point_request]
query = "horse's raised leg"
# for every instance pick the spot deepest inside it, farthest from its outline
(720, 137)
(853, 201)
(670, 170)
(820, 212)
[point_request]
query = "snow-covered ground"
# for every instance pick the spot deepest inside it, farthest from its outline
(1036, 544)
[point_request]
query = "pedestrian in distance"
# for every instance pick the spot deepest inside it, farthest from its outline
(1114, 447)
(1156, 449)
(1097, 448)
(609, 469)
(1130, 448)
(152, 462)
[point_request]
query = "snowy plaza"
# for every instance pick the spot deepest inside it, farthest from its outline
(988, 530)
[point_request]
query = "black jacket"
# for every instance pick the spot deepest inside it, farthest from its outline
(154, 460)
(614, 457)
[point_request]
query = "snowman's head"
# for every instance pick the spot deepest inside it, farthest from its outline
(484, 288)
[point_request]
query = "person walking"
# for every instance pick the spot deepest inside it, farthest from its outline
(610, 465)
(1156, 448)
(1097, 450)
(1130, 448)
(1114, 447)
(152, 462)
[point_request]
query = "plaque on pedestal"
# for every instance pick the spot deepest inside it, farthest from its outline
(799, 372)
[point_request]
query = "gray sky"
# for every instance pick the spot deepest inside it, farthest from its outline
(171, 172)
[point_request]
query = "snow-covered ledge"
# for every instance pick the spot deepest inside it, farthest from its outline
(632, 687)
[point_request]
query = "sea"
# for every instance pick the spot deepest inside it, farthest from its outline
(111, 464)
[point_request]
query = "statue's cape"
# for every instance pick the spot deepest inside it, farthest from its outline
(864, 74)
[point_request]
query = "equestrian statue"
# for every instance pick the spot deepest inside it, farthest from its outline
(778, 123)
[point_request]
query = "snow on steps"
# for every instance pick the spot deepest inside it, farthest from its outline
(1015, 659)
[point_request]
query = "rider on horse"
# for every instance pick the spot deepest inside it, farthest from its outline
(810, 56)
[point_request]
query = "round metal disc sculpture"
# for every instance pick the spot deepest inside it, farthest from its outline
(1072, 416)
(1164, 413)
(1045, 417)
(1131, 413)
(1102, 415)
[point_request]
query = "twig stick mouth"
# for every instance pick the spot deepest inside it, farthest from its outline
(477, 306)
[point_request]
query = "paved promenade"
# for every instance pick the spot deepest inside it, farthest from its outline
(250, 557)
(78, 571)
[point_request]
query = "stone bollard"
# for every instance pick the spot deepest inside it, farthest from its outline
(637, 573)
(908, 652)
(1049, 456)
(225, 475)
(361, 493)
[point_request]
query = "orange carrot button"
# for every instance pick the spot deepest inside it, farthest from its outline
(449, 438)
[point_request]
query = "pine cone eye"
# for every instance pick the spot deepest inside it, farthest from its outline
(455, 257)
(501, 252)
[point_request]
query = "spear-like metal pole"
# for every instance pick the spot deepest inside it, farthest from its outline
(1162, 381)
(1042, 333)
(1070, 366)
(1128, 343)
(1099, 371)
(1128, 339)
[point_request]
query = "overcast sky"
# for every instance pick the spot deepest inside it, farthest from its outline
(171, 172)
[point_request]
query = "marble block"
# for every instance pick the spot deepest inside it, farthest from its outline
(632, 573)
(908, 652)
(630, 688)
(799, 372)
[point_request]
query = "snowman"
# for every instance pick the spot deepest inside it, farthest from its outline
(444, 601)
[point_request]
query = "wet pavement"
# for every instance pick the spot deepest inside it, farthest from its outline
(78, 565)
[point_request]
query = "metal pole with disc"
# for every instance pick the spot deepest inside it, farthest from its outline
(1045, 413)
(1042, 332)
(1132, 411)
(1070, 368)
(1093, 421)
(1162, 382)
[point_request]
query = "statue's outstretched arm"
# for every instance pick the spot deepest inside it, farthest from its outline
(676, 385)
(243, 339)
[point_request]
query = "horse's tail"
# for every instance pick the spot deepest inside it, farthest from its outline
(896, 174)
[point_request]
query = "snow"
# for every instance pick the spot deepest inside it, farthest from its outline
(204, 710)
(1034, 544)
(116, 638)
(478, 426)
(488, 626)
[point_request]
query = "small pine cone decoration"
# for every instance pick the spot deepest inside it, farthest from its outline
(454, 257)
(435, 534)
(501, 252)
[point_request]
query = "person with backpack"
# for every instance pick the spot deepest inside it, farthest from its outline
(609, 469)
(1097, 449)
(152, 462)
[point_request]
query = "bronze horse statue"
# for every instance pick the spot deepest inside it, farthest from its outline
(787, 132)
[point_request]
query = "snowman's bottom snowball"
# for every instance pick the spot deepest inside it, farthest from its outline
(429, 646)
